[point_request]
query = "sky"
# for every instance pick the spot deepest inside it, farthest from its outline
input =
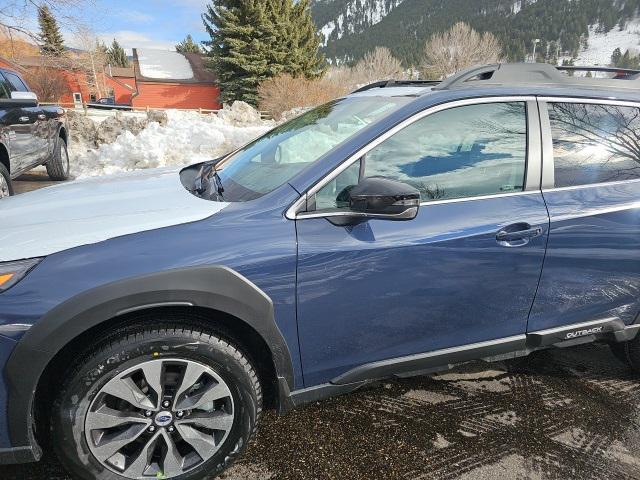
(140, 23)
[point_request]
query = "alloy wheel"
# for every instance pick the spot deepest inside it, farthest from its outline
(4, 187)
(161, 418)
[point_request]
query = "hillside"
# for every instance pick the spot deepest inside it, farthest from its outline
(353, 27)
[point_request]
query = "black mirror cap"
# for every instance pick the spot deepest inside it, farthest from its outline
(383, 196)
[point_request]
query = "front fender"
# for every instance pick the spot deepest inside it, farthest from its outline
(214, 287)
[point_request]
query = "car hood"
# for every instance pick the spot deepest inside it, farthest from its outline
(88, 211)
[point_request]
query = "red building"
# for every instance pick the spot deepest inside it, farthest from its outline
(123, 83)
(157, 79)
(173, 80)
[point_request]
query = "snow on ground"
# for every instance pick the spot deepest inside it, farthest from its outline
(602, 45)
(187, 138)
(164, 64)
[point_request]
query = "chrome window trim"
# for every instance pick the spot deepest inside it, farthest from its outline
(293, 214)
(302, 215)
(592, 185)
(586, 212)
(548, 162)
(591, 101)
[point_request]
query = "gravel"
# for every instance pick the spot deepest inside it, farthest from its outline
(568, 415)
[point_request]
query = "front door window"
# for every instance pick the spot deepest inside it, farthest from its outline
(469, 151)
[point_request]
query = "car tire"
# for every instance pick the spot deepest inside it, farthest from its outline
(203, 442)
(58, 165)
(6, 188)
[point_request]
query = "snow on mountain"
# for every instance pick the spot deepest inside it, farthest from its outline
(518, 5)
(358, 15)
(601, 45)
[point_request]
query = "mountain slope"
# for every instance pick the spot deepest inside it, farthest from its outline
(353, 27)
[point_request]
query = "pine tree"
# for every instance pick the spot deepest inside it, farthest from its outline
(252, 40)
(51, 41)
(101, 48)
(188, 46)
(616, 57)
(116, 55)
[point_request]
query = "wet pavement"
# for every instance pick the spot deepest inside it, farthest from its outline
(569, 414)
(34, 179)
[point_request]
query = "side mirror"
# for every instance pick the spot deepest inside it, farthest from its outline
(29, 99)
(379, 197)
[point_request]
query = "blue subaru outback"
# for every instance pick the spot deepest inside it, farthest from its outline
(147, 319)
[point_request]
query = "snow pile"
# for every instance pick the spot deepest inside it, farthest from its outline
(186, 138)
(82, 130)
(110, 128)
(163, 64)
(602, 45)
(240, 114)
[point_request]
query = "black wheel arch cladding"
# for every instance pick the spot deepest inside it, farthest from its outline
(214, 287)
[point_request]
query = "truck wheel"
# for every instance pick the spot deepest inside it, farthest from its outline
(171, 402)
(6, 189)
(58, 165)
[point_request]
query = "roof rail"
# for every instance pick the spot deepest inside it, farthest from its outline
(619, 71)
(397, 83)
(539, 74)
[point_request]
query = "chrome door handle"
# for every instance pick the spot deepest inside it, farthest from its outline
(504, 236)
(24, 119)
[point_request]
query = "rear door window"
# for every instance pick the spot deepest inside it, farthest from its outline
(594, 143)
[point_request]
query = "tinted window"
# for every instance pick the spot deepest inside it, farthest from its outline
(4, 88)
(461, 152)
(16, 83)
(594, 143)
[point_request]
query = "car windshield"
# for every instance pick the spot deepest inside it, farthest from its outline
(273, 159)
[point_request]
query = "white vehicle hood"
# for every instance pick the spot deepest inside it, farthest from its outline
(93, 210)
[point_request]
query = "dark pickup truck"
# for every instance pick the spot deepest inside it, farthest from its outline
(30, 134)
(108, 103)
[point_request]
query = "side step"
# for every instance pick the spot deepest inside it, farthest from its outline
(608, 329)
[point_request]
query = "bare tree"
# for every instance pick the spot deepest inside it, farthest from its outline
(47, 82)
(13, 47)
(90, 61)
(16, 15)
(284, 93)
(378, 64)
(459, 48)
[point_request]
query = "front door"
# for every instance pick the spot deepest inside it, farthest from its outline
(592, 189)
(464, 271)
(26, 146)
